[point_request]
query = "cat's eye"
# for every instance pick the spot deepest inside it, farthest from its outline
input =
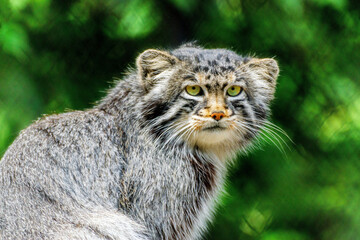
(233, 91)
(193, 90)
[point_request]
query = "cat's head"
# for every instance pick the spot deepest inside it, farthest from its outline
(205, 97)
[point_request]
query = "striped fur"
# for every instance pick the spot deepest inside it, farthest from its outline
(174, 117)
(147, 162)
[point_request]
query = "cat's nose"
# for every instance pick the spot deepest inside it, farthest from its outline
(217, 115)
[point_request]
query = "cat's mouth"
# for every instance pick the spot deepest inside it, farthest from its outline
(214, 128)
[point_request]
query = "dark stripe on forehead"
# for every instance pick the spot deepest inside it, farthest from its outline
(209, 86)
(230, 68)
(214, 71)
(205, 69)
(212, 63)
(197, 60)
(200, 68)
(227, 69)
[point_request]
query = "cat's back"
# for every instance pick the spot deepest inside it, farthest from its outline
(55, 138)
(61, 162)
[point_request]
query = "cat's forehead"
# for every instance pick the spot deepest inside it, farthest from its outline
(215, 81)
(211, 67)
(214, 61)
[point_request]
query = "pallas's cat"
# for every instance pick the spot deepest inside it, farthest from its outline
(148, 161)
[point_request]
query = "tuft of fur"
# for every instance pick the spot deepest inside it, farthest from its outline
(147, 162)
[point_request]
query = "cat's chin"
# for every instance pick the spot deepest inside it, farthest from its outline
(218, 142)
(213, 137)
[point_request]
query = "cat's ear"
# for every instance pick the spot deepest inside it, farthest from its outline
(154, 65)
(264, 73)
(267, 68)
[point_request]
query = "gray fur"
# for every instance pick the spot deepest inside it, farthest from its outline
(121, 170)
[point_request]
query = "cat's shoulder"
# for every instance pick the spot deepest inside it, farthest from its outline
(67, 128)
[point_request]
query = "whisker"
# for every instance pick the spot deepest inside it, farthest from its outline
(273, 126)
(264, 129)
(283, 141)
(281, 148)
(263, 133)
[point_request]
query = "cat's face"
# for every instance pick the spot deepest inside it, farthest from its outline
(206, 98)
(218, 108)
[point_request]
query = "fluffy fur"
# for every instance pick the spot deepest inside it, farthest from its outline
(147, 162)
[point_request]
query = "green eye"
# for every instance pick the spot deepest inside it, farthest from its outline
(234, 91)
(193, 90)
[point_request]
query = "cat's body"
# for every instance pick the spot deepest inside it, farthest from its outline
(130, 168)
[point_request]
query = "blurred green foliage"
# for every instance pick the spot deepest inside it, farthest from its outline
(60, 54)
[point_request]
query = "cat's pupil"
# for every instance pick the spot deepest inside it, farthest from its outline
(193, 88)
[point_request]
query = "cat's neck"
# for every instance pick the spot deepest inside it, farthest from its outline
(221, 153)
(202, 174)
(122, 98)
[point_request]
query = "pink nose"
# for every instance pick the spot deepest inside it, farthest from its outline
(217, 115)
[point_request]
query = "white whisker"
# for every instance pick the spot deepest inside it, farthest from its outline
(262, 131)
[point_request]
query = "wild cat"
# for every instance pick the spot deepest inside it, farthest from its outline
(148, 161)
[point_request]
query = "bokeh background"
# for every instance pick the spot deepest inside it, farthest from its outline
(57, 55)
